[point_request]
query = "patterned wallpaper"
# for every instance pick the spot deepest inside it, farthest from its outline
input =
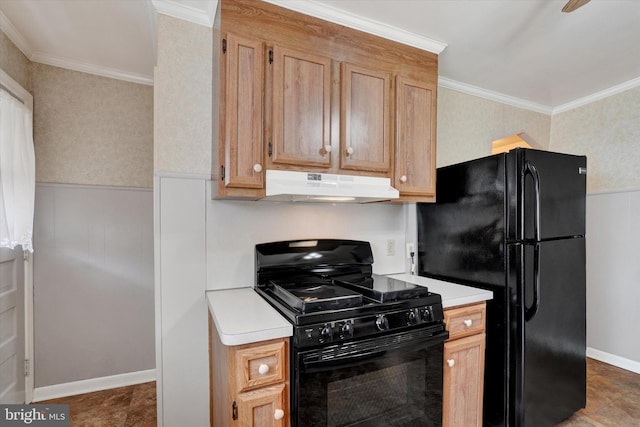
(608, 133)
(91, 130)
(468, 124)
(14, 63)
(183, 98)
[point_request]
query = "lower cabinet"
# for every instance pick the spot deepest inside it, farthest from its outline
(249, 383)
(464, 366)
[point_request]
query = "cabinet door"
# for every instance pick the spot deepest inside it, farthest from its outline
(365, 119)
(242, 151)
(264, 407)
(415, 169)
(301, 97)
(463, 381)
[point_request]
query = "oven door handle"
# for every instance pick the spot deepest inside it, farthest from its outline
(359, 358)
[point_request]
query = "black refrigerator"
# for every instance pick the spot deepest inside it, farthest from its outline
(514, 224)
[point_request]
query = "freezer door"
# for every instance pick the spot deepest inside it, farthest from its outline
(551, 202)
(551, 384)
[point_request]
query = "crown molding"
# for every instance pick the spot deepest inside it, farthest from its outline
(92, 69)
(493, 96)
(356, 22)
(14, 35)
(187, 13)
(614, 90)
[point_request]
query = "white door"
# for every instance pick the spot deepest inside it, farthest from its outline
(12, 327)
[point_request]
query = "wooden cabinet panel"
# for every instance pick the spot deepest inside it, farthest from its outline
(415, 137)
(242, 151)
(249, 384)
(463, 381)
(365, 119)
(260, 365)
(264, 407)
(301, 106)
(465, 321)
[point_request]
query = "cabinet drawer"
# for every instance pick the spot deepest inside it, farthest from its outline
(464, 321)
(260, 365)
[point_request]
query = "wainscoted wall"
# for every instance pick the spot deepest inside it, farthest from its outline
(613, 278)
(93, 262)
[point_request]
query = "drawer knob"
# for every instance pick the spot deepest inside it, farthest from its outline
(278, 414)
(468, 323)
(403, 179)
(327, 148)
(263, 368)
(349, 151)
(257, 168)
(451, 362)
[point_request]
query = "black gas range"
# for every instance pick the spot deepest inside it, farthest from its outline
(354, 330)
(327, 290)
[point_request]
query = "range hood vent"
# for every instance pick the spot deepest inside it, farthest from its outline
(292, 186)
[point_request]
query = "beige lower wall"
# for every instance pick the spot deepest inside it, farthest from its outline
(608, 133)
(468, 124)
(91, 130)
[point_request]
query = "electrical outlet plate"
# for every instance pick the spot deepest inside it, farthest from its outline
(410, 250)
(391, 247)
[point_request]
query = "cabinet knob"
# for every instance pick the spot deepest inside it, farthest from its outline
(468, 323)
(278, 414)
(263, 368)
(403, 178)
(451, 362)
(327, 148)
(257, 167)
(349, 151)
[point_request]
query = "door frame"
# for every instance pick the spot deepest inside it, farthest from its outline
(23, 95)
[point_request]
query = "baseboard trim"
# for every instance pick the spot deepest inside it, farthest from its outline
(93, 384)
(612, 359)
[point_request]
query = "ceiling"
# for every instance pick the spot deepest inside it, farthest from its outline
(523, 52)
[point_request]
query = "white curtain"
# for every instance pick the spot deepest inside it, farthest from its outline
(17, 173)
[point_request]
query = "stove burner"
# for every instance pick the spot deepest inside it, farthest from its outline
(385, 289)
(314, 297)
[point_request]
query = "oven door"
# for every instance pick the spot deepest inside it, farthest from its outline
(394, 380)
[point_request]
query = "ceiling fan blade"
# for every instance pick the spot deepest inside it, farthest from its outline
(573, 5)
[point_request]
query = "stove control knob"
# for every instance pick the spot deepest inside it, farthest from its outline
(427, 314)
(382, 323)
(326, 334)
(347, 330)
(412, 317)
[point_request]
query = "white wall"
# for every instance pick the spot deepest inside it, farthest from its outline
(613, 278)
(235, 227)
(93, 283)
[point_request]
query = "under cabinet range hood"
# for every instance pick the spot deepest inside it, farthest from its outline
(293, 186)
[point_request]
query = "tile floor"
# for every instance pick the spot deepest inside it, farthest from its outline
(613, 400)
(132, 406)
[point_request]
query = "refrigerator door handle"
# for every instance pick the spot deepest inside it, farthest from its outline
(530, 169)
(531, 311)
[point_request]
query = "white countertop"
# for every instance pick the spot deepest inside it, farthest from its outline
(452, 293)
(241, 316)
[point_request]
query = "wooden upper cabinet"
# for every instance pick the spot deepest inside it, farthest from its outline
(301, 108)
(242, 154)
(415, 138)
(365, 119)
